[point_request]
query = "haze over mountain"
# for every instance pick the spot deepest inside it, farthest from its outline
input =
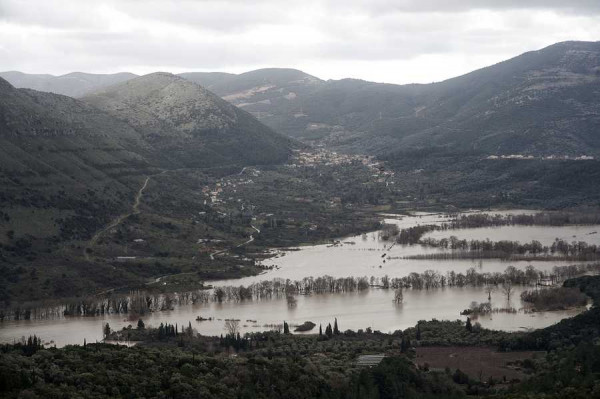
(542, 103)
(74, 84)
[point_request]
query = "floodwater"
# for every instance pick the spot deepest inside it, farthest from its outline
(362, 255)
(544, 234)
(373, 308)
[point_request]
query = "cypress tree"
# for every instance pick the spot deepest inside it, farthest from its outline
(320, 330)
(469, 326)
(286, 328)
(329, 331)
(336, 330)
(405, 345)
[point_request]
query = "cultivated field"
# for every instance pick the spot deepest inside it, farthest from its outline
(477, 362)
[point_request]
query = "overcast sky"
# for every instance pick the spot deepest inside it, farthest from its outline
(399, 41)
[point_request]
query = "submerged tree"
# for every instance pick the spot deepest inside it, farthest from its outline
(507, 289)
(232, 327)
(398, 295)
(291, 301)
(489, 289)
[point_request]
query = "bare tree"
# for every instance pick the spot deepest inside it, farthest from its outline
(291, 301)
(507, 289)
(489, 289)
(398, 296)
(232, 327)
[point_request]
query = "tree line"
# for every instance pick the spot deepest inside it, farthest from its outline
(140, 302)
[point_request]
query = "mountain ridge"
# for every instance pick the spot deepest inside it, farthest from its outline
(181, 116)
(541, 102)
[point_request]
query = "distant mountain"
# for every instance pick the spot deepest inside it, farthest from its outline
(191, 124)
(541, 102)
(74, 84)
(207, 79)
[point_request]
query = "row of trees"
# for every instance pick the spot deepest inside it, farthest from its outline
(412, 235)
(429, 279)
(279, 287)
(503, 248)
(139, 302)
(27, 346)
(476, 220)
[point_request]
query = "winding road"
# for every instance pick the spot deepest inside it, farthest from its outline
(212, 255)
(135, 209)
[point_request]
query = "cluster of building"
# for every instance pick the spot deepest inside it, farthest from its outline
(214, 193)
(321, 156)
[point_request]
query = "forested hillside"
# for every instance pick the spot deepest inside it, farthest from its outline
(70, 171)
(542, 102)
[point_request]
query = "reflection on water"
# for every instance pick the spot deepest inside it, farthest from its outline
(373, 308)
(361, 255)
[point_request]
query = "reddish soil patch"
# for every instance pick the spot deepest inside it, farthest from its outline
(475, 361)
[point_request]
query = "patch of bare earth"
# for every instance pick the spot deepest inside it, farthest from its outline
(477, 362)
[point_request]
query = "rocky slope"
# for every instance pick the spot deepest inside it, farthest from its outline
(190, 124)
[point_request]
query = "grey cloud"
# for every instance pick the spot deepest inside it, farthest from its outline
(379, 7)
(65, 35)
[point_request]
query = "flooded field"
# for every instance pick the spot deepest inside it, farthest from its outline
(373, 308)
(362, 255)
(544, 234)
